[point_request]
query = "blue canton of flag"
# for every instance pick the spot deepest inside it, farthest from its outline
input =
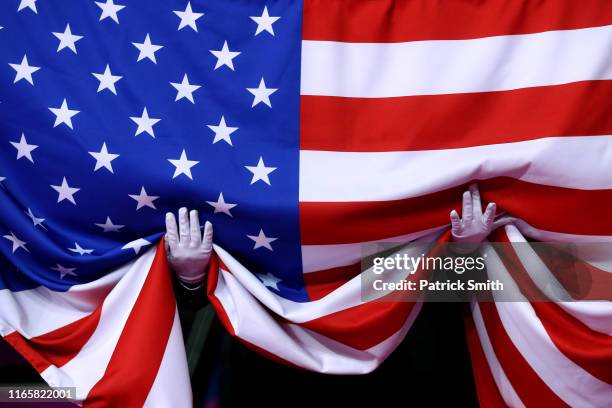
(113, 114)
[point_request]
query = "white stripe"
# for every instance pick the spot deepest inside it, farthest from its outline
(321, 257)
(37, 311)
(350, 176)
(378, 70)
(504, 386)
(536, 269)
(597, 315)
(572, 383)
(171, 387)
(347, 296)
(594, 249)
(569, 381)
(552, 236)
(89, 365)
(305, 348)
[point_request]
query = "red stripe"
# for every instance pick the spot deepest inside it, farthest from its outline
(360, 327)
(529, 386)
(364, 326)
(345, 222)
(582, 280)
(589, 349)
(413, 20)
(543, 207)
(214, 270)
(321, 283)
(137, 357)
(515, 268)
(368, 324)
(486, 388)
(454, 121)
(57, 347)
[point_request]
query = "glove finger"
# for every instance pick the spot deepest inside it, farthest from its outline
(455, 221)
(489, 214)
(183, 227)
(208, 236)
(171, 231)
(194, 228)
(503, 220)
(476, 202)
(467, 207)
(167, 247)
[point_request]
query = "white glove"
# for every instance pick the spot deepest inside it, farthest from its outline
(475, 226)
(188, 252)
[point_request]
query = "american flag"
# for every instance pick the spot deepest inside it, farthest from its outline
(301, 130)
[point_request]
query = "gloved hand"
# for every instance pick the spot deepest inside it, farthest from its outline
(475, 226)
(188, 252)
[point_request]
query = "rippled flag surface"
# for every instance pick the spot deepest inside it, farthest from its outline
(301, 131)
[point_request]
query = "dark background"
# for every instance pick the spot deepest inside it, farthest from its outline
(430, 368)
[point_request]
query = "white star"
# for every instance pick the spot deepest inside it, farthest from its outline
(261, 93)
(79, 250)
(64, 271)
(104, 158)
(260, 172)
(143, 199)
(221, 206)
(183, 165)
(67, 39)
(225, 56)
(145, 123)
(109, 9)
(147, 49)
(17, 243)
(185, 89)
(107, 80)
(136, 245)
(188, 17)
(108, 226)
(264, 22)
(222, 131)
(24, 149)
(35, 220)
(31, 4)
(65, 192)
(24, 71)
(63, 115)
(261, 241)
(269, 280)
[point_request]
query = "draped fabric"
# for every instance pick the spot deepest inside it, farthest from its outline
(383, 112)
